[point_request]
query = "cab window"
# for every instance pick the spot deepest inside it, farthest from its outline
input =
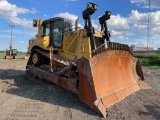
(57, 33)
(67, 27)
(45, 29)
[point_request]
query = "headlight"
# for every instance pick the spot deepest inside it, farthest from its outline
(92, 6)
(34, 23)
(95, 6)
(108, 14)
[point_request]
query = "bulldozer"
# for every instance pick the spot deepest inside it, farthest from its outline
(84, 61)
(11, 53)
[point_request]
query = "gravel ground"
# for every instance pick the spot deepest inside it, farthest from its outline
(23, 98)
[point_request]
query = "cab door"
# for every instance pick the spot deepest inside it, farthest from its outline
(56, 34)
(45, 32)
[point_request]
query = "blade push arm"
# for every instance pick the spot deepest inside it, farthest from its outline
(91, 8)
(103, 21)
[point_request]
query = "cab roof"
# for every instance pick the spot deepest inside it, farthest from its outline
(56, 19)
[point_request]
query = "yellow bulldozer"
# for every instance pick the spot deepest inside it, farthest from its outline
(11, 53)
(84, 61)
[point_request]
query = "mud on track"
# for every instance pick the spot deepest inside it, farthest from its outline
(23, 98)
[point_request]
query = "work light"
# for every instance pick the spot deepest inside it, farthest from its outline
(107, 15)
(89, 5)
(92, 6)
(34, 23)
(95, 6)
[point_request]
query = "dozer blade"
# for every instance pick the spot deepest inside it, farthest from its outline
(108, 78)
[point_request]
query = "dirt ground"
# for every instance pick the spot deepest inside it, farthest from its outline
(23, 98)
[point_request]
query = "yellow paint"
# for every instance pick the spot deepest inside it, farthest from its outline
(46, 41)
(11, 43)
(51, 57)
(83, 48)
(76, 45)
(39, 22)
(98, 35)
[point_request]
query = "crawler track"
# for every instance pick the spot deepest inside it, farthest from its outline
(55, 57)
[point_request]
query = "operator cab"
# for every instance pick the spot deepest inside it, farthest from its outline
(55, 27)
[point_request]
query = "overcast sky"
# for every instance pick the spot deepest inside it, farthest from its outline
(128, 23)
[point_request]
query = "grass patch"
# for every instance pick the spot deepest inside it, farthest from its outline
(20, 55)
(2, 54)
(155, 67)
(151, 60)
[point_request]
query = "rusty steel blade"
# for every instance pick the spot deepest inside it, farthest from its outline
(108, 78)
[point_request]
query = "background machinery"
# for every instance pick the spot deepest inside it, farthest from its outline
(11, 53)
(83, 61)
